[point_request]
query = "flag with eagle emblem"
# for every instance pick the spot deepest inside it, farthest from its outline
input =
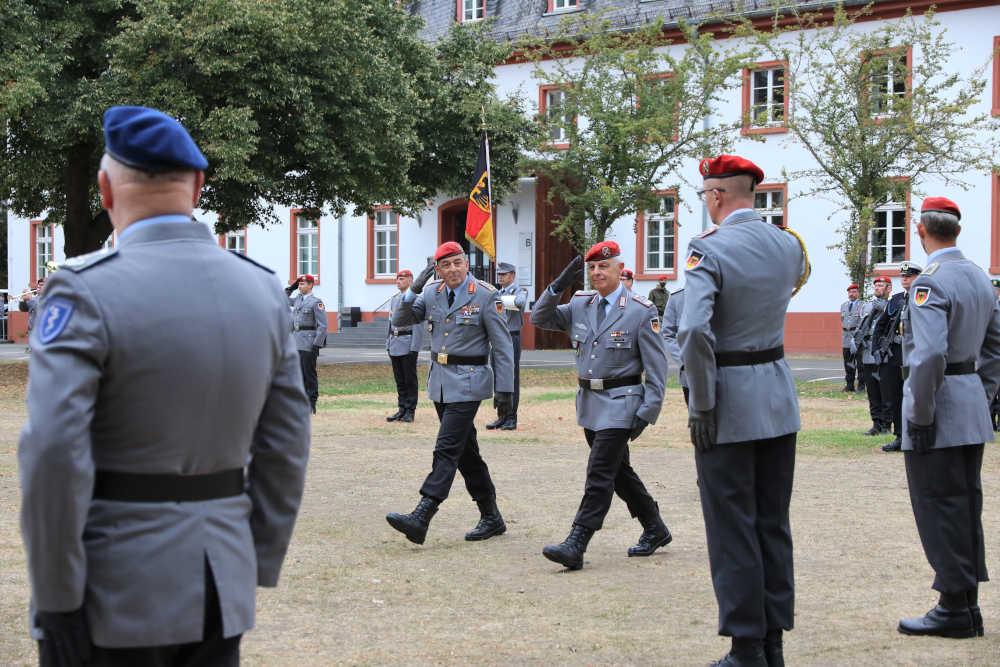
(479, 217)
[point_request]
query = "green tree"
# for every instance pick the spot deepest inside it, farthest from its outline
(331, 105)
(880, 110)
(626, 114)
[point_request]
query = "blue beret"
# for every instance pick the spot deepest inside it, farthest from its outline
(150, 140)
(505, 267)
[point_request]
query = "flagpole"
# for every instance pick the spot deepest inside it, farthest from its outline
(489, 190)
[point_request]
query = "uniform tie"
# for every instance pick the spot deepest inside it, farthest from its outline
(601, 306)
(451, 297)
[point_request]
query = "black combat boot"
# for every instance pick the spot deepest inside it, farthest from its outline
(774, 650)
(894, 446)
(496, 423)
(654, 535)
(509, 424)
(977, 614)
(490, 522)
(414, 525)
(570, 552)
(394, 417)
(951, 617)
(407, 416)
(874, 430)
(744, 653)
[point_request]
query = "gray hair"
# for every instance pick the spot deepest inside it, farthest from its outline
(119, 172)
(940, 225)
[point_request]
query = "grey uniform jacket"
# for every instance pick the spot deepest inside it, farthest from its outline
(626, 343)
(31, 306)
(870, 312)
(953, 317)
(515, 318)
(308, 311)
(672, 320)
(140, 380)
(395, 344)
(739, 280)
(850, 318)
(469, 328)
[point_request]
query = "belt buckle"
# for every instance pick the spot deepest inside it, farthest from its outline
(296, 327)
(442, 358)
(395, 332)
(597, 384)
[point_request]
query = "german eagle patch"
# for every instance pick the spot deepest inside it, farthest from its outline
(920, 295)
(499, 306)
(654, 324)
(694, 259)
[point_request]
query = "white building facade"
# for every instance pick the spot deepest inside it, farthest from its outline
(355, 258)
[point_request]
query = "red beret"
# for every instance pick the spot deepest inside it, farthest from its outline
(941, 205)
(405, 273)
(729, 165)
(627, 273)
(852, 286)
(603, 250)
(883, 279)
(308, 278)
(447, 249)
(662, 277)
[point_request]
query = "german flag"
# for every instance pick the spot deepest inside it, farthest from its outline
(479, 217)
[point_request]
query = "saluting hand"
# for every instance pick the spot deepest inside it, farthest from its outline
(291, 288)
(702, 425)
(569, 275)
(418, 283)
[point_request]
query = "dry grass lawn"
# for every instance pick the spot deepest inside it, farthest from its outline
(355, 592)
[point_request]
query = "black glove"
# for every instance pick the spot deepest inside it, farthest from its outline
(638, 426)
(503, 401)
(569, 275)
(702, 425)
(418, 283)
(922, 437)
(291, 288)
(69, 636)
(316, 349)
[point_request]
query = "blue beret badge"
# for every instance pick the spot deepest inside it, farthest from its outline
(54, 319)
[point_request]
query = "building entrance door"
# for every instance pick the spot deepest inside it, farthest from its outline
(451, 227)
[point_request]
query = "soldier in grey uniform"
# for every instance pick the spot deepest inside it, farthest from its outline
(863, 340)
(403, 346)
(671, 321)
(850, 318)
(888, 339)
(952, 352)
(161, 473)
(309, 330)
(616, 336)
(30, 305)
(743, 410)
(465, 321)
(514, 301)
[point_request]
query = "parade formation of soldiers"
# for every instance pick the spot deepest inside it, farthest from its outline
(192, 500)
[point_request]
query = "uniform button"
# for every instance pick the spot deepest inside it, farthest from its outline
(618, 345)
(445, 333)
(630, 391)
(442, 348)
(591, 370)
(593, 356)
(447, 320)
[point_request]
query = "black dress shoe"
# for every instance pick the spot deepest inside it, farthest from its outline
(894, 446)
(407, 417)
(732, 660)
(847, 388)
(941, 622)
(399, 413)
(509, 424)
(497, 423)
(874, 430)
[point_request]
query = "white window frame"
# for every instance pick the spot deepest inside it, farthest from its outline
(890, 85)
(554, 112)
(307, 246)
(565, 5)
(885, 215)
(770, 209)
(766, 114)
(237, 241)
(44, 248)
(473, 10)
(385, 242)
(662, 222)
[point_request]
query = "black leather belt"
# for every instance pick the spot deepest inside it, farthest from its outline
(452, 359)
(600, 384)
(402, 333)
(166, 488)
(749, 358)
(957, 368)
(298, 328)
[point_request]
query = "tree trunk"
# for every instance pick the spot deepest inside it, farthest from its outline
(83, 231)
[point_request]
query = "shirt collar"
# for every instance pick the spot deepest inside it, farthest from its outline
(464, 283)
(155, 220)
(739, 211)
(614, 295)
(941, 252)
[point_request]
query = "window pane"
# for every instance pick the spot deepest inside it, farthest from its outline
(778, 220)
(760, 200)
(776, 197)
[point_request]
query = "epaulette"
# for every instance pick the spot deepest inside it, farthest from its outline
(642, 300)
(929, 271)
(440, 286)
(707, 232)
(252, 261)
(585, 292)
(487, 285)
(84, 262)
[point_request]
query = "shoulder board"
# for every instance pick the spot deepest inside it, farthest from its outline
(487, 286)
(585, 292)
(440, 284)
(252, 261)
(929, 271)
(709, 231)
(84, 262)
(642, 300)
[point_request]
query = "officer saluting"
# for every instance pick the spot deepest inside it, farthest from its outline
(403, 346)
(616, 336)
(743, 409)
(514, 299)
(309, 329)
(954, 321)
(464, 320)
(161, 472)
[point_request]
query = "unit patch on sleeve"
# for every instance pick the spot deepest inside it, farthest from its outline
(54, 319)
(694, 259)
(654, 324)
(499, 306)
(920, 295)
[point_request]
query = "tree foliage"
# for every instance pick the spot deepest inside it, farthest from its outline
(631, 112)
(332, 106)
(881, 109)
